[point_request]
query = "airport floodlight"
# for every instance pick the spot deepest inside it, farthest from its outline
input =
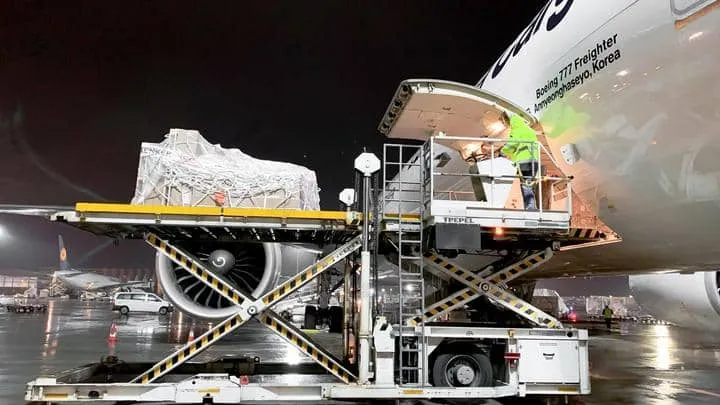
(347, 196)
(367, 163)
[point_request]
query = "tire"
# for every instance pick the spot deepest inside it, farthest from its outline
(163, 311)
(337, 315)
(310, 317)
(124, 310)
(479, 362)
(323, 317)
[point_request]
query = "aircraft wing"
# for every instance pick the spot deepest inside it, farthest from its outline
(118, 285)
(33, 210)
(612, 260)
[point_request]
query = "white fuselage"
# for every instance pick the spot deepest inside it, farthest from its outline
(628, 95)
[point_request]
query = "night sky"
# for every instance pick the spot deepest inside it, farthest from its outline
(302, 82)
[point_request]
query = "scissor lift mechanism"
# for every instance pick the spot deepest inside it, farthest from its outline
(157, 224)
(434, 107)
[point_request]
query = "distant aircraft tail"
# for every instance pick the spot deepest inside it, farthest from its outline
(64, 263)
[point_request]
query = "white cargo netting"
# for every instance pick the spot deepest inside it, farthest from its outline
(187, 170)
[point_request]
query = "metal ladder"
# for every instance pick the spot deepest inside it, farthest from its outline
(408, 218)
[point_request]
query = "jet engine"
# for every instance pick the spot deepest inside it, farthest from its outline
(253, 268)
(687, 300)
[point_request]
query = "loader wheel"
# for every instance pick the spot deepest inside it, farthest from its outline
(310, 317)
(337, 315)
(462, 370)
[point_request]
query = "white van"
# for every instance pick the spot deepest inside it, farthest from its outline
(126, 302)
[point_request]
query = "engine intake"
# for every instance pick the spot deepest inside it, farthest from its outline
(687, 300)
(253, 268)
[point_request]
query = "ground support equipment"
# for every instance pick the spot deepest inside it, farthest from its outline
(249, 307)
(393, 360)
(424, 220)
(491, 288)
(524, 356)
(482, 284)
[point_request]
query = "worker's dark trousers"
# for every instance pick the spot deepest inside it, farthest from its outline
(528, 170)
(607, 322)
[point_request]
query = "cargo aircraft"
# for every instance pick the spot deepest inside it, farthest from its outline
(625, 95)
(87, 281)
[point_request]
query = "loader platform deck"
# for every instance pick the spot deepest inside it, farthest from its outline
(128, 221)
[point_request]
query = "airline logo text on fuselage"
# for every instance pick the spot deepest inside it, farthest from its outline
(560, 10)
(604, 53)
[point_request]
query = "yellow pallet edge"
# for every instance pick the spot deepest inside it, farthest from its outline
(117, 208)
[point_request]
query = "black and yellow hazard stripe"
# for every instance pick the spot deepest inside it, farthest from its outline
(510, 301)
(269, 318)
(197, 269)
(467, 294)
(523, 308)
(461, 297)
(311, 272)
(305, 345)
(518, 269)
(586, 233)
(445, 305)
(448, 266)
(191, 349)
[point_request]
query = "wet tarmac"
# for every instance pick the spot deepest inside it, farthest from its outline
(631, 364)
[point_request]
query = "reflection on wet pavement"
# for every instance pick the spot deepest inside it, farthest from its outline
(654, 364)
(632, 364)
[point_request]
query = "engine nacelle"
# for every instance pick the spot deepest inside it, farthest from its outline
(254, 268)
(687, 300)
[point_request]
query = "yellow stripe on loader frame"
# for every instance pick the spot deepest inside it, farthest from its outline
(267, 316)
(466, 295)
(305, 345)
(190, 350)
(197, 269)
(310, 272)
(103, 208)
(492, 291)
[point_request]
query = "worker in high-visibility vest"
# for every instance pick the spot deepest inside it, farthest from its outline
(523, 154)
(607, 314)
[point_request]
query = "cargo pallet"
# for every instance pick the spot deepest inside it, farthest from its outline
(413, 358)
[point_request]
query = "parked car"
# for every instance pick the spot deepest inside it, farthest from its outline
(127, 302)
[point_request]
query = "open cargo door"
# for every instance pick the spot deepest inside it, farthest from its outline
(422, 108)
